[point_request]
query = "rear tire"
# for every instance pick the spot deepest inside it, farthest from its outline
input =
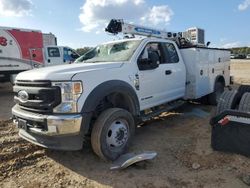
(227, 101)
(214, 97)
(243, 89)
(112, 133)
(244, 105)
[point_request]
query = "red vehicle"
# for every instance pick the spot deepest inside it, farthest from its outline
(24, 49)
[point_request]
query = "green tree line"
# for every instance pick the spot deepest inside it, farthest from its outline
(83, 50)
(240, 50)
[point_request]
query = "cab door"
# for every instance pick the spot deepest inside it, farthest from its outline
(53, 56)
(165, 82)
(174, 72)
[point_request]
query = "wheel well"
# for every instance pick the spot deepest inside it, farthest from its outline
(109, 94)
(113, 100)
(220, 79)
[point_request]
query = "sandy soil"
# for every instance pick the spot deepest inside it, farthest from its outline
(181, 138)
(240, 70)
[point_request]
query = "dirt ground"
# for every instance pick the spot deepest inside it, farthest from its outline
(181, 139)
(240, 70)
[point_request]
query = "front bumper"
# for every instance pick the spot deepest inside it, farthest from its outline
(52, 131)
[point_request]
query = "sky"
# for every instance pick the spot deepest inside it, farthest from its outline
(81, 23)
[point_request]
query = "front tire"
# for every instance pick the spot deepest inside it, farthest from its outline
(112, 133)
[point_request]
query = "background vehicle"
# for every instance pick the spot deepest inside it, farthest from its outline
(57, 55)
(231, 124)
(23, 49)
(240, 56)
(114, 86)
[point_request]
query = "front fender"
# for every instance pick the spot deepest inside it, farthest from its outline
(108, 87)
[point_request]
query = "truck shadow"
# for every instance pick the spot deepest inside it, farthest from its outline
(148, 137)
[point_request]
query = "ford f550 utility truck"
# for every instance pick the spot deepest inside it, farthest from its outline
(24, 49)
(111, 88)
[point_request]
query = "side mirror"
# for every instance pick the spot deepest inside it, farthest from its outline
(147, 64)
(152, 62)
(154, 57)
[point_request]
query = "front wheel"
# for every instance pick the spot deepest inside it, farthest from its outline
(112, 133)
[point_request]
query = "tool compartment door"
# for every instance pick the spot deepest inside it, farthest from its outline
(197, 66)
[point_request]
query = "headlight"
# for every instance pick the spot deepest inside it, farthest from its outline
(70, 93)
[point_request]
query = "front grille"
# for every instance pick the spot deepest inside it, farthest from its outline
(42, 83)
(42, 97)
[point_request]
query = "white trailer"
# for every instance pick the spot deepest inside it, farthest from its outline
(49, 39)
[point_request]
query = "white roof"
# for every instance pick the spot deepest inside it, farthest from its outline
(21, 29)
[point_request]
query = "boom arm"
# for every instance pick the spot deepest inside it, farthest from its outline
(118, 26)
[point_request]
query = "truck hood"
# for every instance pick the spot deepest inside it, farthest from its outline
(65, 72)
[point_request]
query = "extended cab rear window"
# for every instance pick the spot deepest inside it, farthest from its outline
(170, 52)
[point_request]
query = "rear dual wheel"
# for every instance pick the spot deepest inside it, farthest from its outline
(243, 89)
(244, 105)
(228, 100)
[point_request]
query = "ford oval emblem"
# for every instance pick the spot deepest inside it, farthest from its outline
(23, 96)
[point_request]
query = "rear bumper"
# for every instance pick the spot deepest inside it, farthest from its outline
(63, 132)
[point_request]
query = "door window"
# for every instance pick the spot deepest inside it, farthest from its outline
(53, 52)
(151, 53)
(69, 54)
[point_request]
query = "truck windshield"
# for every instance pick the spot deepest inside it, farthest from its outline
(111, 52)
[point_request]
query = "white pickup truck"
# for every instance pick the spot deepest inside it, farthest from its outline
(110, 89)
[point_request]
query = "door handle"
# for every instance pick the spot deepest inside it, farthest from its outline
(167, 72)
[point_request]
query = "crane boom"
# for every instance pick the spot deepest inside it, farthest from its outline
(191, 37)
(116, 26)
